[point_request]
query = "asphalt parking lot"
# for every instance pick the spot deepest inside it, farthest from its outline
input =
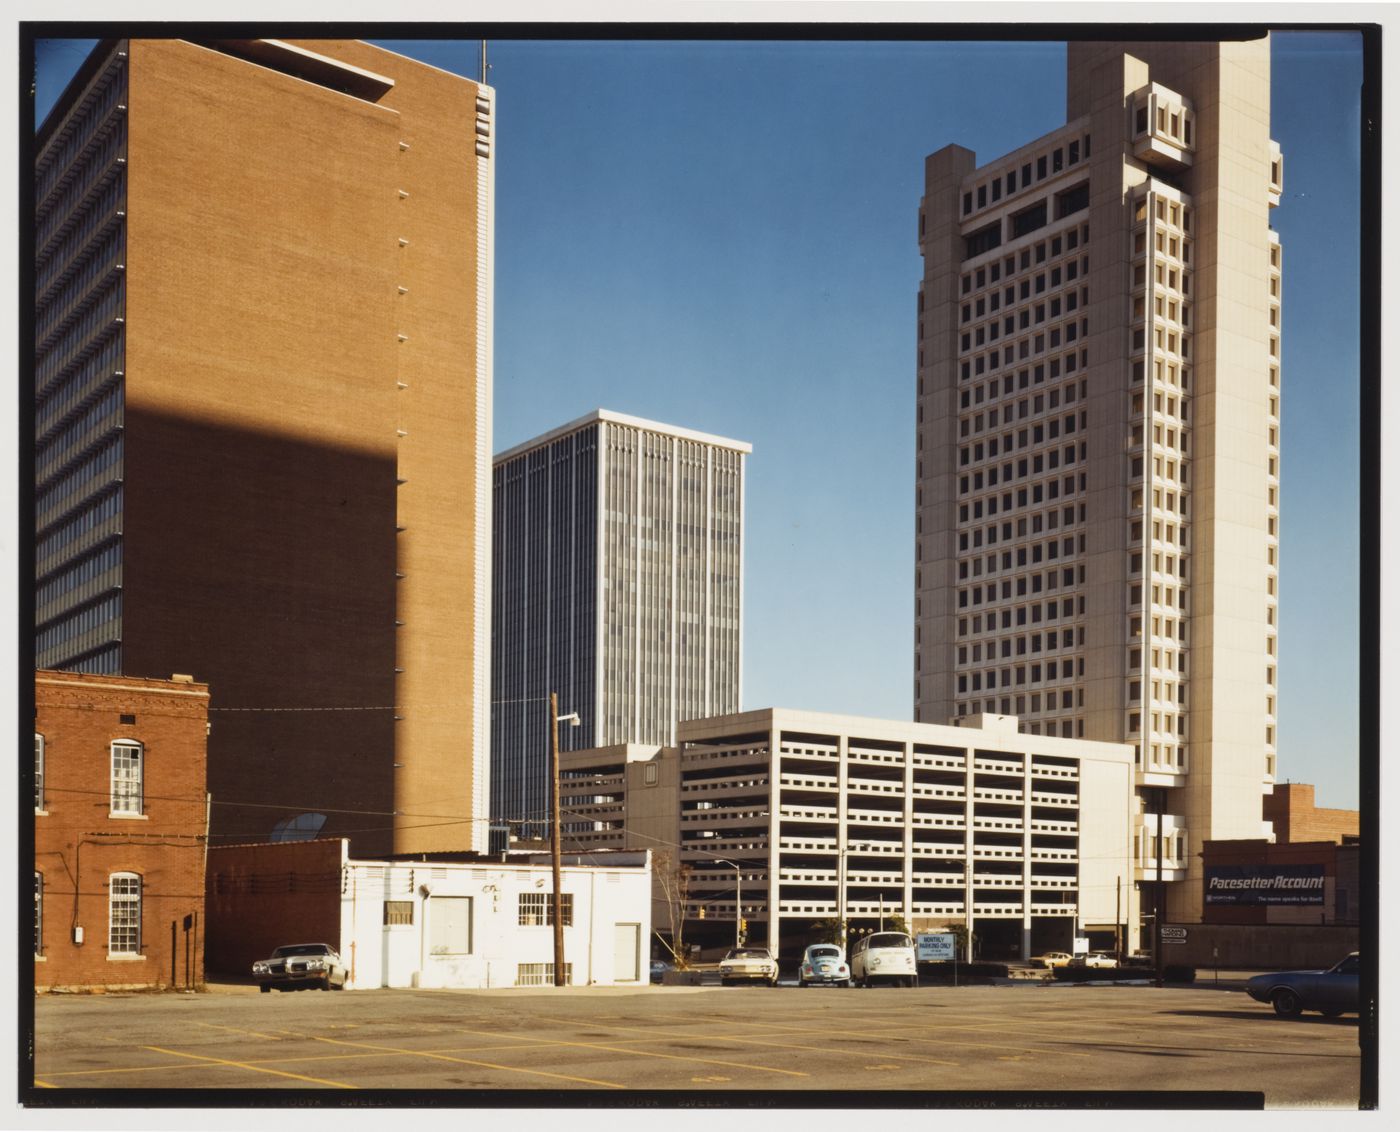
(928, 1040)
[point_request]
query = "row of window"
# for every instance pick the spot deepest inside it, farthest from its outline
(1025, 497)
(1034, 584)
(123, 914)
(1046, 165)
(127, 775)
(76, 623)
(1068, 728)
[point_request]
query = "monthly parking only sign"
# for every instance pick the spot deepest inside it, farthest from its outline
(937, 948)
(1264, 884)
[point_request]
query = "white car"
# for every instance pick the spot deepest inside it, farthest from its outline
(884, 957)
(823, 963)
(1095, 959)
(301, 965)
(748, 964)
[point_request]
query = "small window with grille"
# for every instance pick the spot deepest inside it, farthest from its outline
(398, 912)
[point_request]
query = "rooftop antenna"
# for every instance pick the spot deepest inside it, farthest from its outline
(485, 67)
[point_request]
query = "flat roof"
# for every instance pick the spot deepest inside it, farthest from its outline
(985, 731)
(623, 419)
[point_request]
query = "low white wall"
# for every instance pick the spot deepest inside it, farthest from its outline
(444, 947)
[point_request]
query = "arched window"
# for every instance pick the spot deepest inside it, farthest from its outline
(303, 827)
(124, 915)
(127, 760)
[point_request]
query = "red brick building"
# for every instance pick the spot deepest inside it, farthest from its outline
(120, 829)
(1296, 817)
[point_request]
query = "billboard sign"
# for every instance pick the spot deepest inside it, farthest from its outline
(1240, 885)
(937, 948)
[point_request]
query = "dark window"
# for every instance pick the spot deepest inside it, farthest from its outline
(1027, 221)
(1072, 200)
(984, 240)
(967, 203)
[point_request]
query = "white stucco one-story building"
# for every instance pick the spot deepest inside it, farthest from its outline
(470, 923)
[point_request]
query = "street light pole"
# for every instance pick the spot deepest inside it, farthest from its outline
(738, 898)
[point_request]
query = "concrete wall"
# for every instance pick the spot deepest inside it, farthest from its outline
(79, 843)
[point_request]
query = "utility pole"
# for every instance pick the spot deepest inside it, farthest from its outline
(1118, 918)
(967, 898)
(555, 838)
(1161, 792)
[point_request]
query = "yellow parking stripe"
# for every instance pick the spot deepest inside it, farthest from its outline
(43, 1084)
(939, 1036)
(469, 1061)
(254, 1068)
(236, 1030)
(281, 1059)
(662, 1035)
(665, 1056)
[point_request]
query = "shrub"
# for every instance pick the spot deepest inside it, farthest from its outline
(1100, 974)
(943, 972)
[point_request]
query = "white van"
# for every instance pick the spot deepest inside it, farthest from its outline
(884, 957)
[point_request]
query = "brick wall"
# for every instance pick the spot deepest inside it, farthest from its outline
(79, 843)
(263, 896)
(1295, 817)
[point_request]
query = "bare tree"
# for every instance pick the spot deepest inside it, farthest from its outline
(674, 879)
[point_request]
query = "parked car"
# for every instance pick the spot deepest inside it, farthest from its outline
(885, 956)
(1052, 959)
(748, 964)
(1333, 991)
(1094, 959)
(659, 967)
(823, 963)
(301, 965)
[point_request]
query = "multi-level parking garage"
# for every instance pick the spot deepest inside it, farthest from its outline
(815, 817)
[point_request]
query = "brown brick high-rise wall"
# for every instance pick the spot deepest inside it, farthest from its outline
(305, 433)
(79, 843)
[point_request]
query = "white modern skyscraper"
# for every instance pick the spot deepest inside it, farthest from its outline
(618, 584)
(1098, 420)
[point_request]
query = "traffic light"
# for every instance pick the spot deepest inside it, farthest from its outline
(701, 913)
(743, 925)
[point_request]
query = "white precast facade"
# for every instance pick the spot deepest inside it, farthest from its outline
(486, 925)
(1098, 417)
(827, 816)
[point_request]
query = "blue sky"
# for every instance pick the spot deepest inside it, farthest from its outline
(723, 236)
